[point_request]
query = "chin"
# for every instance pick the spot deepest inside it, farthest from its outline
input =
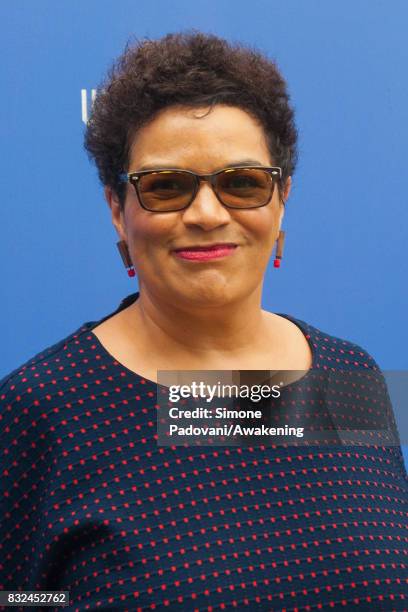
(207, 294)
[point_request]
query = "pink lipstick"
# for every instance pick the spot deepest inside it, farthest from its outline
(205, 253)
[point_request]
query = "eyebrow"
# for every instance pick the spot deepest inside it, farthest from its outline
(242, 162)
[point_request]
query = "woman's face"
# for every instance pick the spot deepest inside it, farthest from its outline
(181, 137)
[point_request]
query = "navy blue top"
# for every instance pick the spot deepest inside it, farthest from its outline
(90, 503)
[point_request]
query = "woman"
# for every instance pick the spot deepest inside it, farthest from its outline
(195, 144)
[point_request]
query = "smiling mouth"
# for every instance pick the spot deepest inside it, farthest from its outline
(204, 253)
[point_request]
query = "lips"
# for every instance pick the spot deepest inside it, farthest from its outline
(206, 252)
(207, 247)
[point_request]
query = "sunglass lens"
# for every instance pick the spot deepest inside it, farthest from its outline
(166, 190)
(244, 187)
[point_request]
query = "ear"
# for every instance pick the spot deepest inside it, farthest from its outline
(288, 187)
(117, 213)
(285, 196)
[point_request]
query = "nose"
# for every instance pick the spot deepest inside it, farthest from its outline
(206, 211)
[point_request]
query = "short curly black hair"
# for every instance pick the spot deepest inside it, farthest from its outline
(193, 69)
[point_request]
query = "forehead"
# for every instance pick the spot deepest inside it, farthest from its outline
(199, 138)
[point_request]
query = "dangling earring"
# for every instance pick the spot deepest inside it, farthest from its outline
(124, 253)
(279, 249)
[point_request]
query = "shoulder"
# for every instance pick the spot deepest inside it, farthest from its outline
(334, 352)
(348, 363)
(56, 367)
(42, 372)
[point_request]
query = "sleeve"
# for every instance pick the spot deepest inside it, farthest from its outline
(25, 467)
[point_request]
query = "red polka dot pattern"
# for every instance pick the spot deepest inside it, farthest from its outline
(91, 504)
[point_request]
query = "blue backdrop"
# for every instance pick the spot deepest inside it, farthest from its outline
(345, 264)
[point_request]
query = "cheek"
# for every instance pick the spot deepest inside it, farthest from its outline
(146, 231)
(261, 227)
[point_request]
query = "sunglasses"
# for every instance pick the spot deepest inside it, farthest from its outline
(169, 190)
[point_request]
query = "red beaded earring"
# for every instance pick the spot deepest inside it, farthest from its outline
(124, 253)
(279, 249)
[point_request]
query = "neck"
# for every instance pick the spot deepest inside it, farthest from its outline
(205, 331)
